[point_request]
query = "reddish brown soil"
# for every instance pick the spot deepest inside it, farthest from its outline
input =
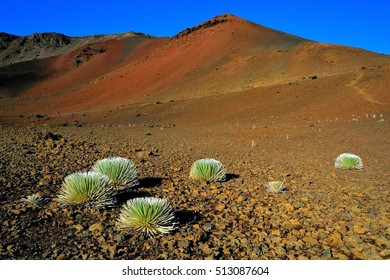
(233, 62)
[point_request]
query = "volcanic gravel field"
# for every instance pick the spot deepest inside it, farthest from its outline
(326, 213)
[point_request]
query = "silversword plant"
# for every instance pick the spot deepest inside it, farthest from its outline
(348, 161)
(32, 200)
(121, 172)
(86, 188)
(208, 170)
(276, 187)
(148, 215)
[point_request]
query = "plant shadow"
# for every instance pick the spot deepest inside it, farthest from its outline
(149, 182)
(186, 217)
(123, 196)
(231, 176)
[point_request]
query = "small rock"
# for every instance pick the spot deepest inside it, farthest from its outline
(15, 211)
(288, 207)
(294, 224)
(335, 240)
(298, 204)
(310, 240)
(78, 227)
(385, 253)
(280, 251)
(111, 249)
(327, 254)
(142, 154)
(118, 237)
(359, 230)
(339, 256)
(220, 207)
(208, 226)
(354, 242)
(184, 244)
(96, 227)
(205, 248)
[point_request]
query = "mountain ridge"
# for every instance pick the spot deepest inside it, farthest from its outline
(14, 48)
(224, 56)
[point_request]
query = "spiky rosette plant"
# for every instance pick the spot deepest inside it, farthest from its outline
(148, 215)
(208, 170)
(86, 188)
(348, 161)
(32, 200)
(276, 187)
(122, 172)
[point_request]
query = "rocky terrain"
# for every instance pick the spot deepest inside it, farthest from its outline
(270, 106)
(325, 213)
(15, 49)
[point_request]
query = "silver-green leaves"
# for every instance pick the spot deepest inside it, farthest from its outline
(348, 161)
(276, 187)
(121, 172)
(32, 200)
(208, 170)
(147, 215)
(86, 188)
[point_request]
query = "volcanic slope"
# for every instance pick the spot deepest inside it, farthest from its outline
(45, 63)
(223, 70)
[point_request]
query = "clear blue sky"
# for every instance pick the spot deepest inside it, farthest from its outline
(358, 23)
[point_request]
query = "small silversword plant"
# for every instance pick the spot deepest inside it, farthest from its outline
(208, 170)
(276, 187)
(122, 172)
(148, 215)
(348, 161)
(32, 200)
(86, 188)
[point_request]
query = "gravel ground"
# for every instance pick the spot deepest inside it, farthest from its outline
(324, 214)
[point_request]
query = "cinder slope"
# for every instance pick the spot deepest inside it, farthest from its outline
(15, 49)
(49, 62)
(226, 69)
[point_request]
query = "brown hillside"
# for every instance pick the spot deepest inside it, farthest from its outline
(225, 61)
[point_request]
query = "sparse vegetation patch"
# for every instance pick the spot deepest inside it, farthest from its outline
(32, 200)
(147, 215)
(86, 188)
(208, 170)
(348, 161)
(276, 187)
(121, 172)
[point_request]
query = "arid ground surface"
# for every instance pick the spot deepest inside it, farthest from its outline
(268, 105)
(326, 213)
